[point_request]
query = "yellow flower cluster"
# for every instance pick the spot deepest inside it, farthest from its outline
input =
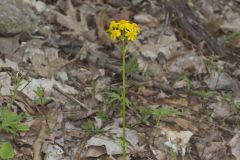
(123, 29)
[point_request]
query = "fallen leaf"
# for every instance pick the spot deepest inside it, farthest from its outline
(70, 21)
(52, 151)
(144, 19)
(101, 20)
(181, 139)
(212, 151)
(220, 110)
(188, 61)
(5, 84)
(43, 134)
(220, 81)
(180, 84)
(131, 135)
(47, 85)
(111, 147)
(232, 21)
(185, 124)
(159, 155)
(94, 151)
(8, 45)
(234, 143)
(51, 53)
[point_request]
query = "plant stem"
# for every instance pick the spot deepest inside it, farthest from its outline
(124, 99)
(156, 130)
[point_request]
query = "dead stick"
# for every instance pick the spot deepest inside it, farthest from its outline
(70, 97)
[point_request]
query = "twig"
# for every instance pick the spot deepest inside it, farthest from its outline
(165, 26)
(188, 21)
(70, 97)
(79, 152)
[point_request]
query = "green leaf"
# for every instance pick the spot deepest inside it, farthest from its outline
(127, 102)
(165, 112)
(114, 96)
(90, 128)
(132, 66)
(6, 151)
(103, 116)
(23, 128)
(10, 119)
(232, 36)
(10, 122)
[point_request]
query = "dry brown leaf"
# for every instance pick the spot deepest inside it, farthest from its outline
(179, 102)
(185, 124)
(71, 22)
(211, 151)
(101, 31)
(111, 147)
(44, 68)
(8, 45)
(146, 92)
(43, 133)
(120, 13)
(235, 146)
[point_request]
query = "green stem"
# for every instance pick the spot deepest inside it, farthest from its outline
(124, 99)
(156, 130)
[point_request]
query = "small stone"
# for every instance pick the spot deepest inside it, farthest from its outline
(16, 17)
(62, 76)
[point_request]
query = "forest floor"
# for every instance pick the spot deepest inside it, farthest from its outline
(183, 89)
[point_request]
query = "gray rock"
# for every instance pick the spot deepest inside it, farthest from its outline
(62, 76)
(16, 17)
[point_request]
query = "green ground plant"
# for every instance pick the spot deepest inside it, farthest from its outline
(232, 36)
(115, 98)
(172, 153)
(202, 93)
(235, 105)
(6, 151)
(132, 66)
(17, 79)
(41, 98)
(162, 112)
(11, 122)
(42, 101)
(90, 128)
(93, 87)
(103, 116)
(146, 113)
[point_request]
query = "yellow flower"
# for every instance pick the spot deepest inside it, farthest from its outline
(123, 28)
(115, 34)
(135, 27)
(123, 24)
(131, 35)
(113, 25)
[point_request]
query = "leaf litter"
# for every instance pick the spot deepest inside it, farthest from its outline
(72, 55)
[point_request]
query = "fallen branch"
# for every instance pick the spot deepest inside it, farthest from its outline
(70, 97)
(187, 20)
